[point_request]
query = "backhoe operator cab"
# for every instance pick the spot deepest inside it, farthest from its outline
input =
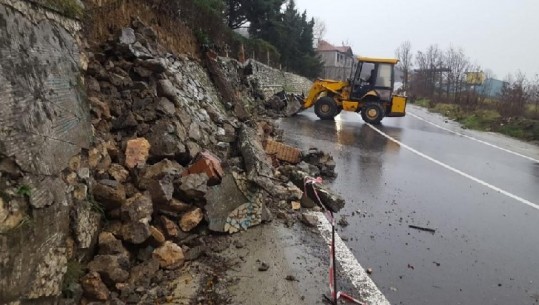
(369, 91)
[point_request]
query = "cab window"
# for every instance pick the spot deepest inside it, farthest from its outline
(383, 78)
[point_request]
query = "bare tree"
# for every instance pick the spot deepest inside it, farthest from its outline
(430, 65)
(533, 92)
(404, 54)
(513, 96)
(457, 63)
(319, 30)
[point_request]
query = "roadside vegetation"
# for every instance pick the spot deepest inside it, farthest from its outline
(447, 82)
(271, 31)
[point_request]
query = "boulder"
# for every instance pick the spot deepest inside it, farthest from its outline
(165, 141)
(118, 172)
(142, 274)
(165, 88)
(170, 228)
(135, 232)
(157, 238)
(170, 256)
(127, 36)
(111, 268)
(85, 225)
(137, 152)
(109, 193)
(136, 215)
(161, 190)
(174, 206)
(110, 245)
(158, 171)
(194, 186)
(191, 219)
(94, 288)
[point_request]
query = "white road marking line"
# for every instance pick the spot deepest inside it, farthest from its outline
(472, 138)
(351, 267)
(497, 189)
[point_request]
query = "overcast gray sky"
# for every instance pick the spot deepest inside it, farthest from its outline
(501, 35)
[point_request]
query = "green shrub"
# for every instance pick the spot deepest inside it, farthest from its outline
(70, 8)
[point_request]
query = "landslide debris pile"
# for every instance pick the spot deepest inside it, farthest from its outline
(170, 164)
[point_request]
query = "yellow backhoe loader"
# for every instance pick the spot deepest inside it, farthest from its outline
(369, 90)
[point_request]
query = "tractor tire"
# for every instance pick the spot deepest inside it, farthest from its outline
(372, 112)
(326, 108)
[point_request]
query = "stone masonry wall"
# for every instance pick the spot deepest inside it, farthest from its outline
(44, 121)
(273, 80)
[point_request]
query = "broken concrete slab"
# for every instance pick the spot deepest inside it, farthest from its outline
(221, 200)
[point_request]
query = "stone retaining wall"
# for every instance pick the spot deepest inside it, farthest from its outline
(273, 80)
(44, 121)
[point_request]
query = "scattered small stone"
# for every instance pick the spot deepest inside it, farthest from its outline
(369, 270)
(238, 244)
(263, 266)
(343, 222)
(309, 220)
(291, 278)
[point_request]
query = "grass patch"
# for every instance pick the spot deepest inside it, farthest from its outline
(24, 190)
(69, 8)
(71, 278)
(524, 128)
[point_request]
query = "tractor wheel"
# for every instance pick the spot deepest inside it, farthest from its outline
(326, 108)
(372, 112)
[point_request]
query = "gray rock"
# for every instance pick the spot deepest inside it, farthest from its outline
(109, 193)
(309, 220)
(161, 190)
(94, 288)
(165, 88)
(85, 224)
(126, 120)
(165, 106)
(127, 36)
(142, 72)
(137, 208)
(194, 186)
(143, 273)
(137, 50)
(111, 268)
(110, 245)
(135, 232)
(170, 228)
(157, 65)
(136, 215)
(158, 171)
(164, 141)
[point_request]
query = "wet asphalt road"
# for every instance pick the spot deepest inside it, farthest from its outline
(486, 246)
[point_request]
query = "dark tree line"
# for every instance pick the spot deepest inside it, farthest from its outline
(288, 30)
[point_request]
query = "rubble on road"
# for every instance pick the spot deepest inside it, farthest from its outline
(283, 104)
(156, 171)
